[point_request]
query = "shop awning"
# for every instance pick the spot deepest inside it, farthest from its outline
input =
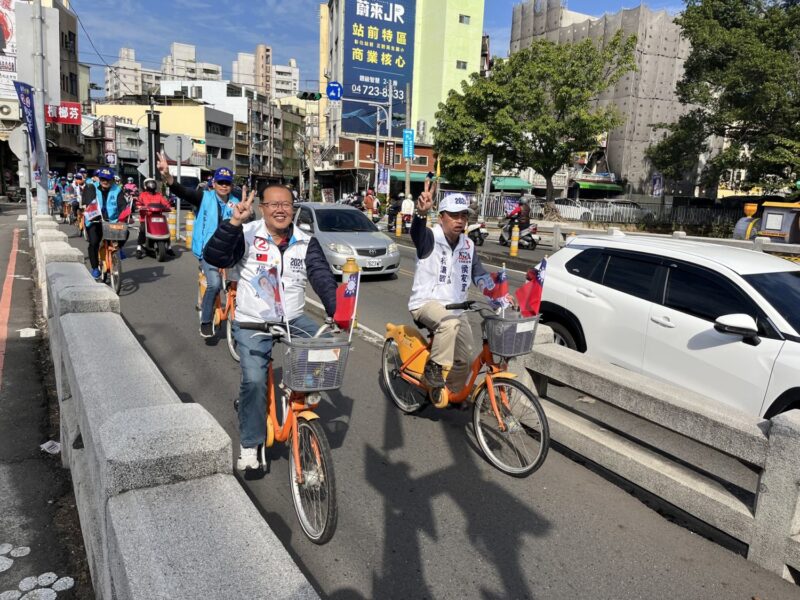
(416, 176)
(514, 184)
(597, 185)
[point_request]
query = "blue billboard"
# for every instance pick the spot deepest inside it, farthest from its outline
(378, 50)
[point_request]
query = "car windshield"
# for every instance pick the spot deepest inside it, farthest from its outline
(336, 220)
(782, 290)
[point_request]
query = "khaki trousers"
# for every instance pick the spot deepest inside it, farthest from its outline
(452, 342)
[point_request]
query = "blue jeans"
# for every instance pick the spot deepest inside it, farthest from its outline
(254, 354)
(213, 286)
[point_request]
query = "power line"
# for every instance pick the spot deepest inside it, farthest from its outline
(100, 56)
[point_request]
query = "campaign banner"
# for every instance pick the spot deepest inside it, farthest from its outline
(66, 113)
(8, 48)
(378, 51)
(25, 95)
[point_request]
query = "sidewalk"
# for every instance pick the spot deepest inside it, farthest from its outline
(41, 547)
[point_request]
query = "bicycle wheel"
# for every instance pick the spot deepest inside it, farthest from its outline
(315, 498)
(406, 396)
(116, 272)
(522, 446)
(232, 346)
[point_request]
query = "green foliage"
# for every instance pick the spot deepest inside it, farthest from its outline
(742, 79)
(536, 110)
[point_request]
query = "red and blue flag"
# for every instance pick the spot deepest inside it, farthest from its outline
(529, 295)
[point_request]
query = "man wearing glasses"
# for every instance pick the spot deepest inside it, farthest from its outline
(275, 261)
(212, 206)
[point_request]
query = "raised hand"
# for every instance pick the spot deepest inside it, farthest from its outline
(163, 168)
(242, 210)
(425, 200)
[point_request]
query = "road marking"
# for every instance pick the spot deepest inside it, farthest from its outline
(22, 218)
(5, 300)
(23, 278)
(27, 332)
(368, 334)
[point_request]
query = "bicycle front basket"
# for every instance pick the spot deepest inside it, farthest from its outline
(510, 337)
(315, 364)
(114, 231)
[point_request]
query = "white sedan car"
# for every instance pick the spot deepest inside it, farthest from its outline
(721, 321)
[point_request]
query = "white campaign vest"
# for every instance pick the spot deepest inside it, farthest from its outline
(445, 275)
(260, 255)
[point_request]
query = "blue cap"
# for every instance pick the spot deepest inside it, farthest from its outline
(223, 174)
(105, 173)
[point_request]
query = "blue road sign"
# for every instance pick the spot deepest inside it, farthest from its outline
(334, 90)
(408, 143)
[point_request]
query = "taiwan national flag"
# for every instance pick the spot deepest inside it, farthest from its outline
(346, 299)
(500, 289)
(529, 295)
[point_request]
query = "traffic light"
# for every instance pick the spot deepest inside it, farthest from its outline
(309, 95)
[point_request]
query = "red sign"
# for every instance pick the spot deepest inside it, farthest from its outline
(67, 113)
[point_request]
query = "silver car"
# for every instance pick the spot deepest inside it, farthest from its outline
(345, 232)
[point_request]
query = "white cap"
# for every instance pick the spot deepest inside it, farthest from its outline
(454, 203)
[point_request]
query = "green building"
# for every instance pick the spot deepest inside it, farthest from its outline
(447, 50)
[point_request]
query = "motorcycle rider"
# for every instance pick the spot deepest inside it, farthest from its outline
(257, 248)
(212, 206)
(524, 213)
(394, 209)
(151, 197)
(107, 203)
(130, 186)
(407, 207)
(446, 263)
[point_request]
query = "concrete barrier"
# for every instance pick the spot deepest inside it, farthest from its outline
(750, 492)
(161, 513)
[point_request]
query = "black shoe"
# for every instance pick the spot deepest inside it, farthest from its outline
(139, 253)
(433, 374)
(170, 252)
(207, 330)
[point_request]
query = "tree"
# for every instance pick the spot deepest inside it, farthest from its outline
(537, 109)
(742, 82)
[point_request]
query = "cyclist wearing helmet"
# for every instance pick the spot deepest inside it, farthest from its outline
(212, 206)
(446, 263)
(151, 196)
(103, 203)
(130, 186)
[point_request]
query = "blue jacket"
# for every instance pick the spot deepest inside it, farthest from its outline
(211, 212)
(110, 204)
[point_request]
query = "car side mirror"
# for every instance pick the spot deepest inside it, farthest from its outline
(305, 227)
(739, 324)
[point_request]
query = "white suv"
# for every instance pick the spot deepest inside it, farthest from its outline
(721, 321)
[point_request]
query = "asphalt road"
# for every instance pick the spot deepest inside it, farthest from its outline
(422, 514)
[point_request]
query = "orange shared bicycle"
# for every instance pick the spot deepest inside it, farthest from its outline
(509, 422)
(114, 235)
(311, 365)
(224, 307)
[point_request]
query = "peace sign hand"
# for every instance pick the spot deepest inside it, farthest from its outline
(243, 209)
(425, 200)
(163, 168)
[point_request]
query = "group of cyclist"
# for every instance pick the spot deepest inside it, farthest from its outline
(226, 237)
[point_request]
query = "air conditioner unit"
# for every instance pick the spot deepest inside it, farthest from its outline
(9, 110)
(338, 157)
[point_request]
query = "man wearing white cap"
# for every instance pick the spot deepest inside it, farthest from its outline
(446, 263)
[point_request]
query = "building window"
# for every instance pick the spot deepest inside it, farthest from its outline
(420, 160)
(73, 84)
(463, 19)
(461, 64)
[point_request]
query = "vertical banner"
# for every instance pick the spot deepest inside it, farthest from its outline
(383, 180)
(378, 50)
(38, 157)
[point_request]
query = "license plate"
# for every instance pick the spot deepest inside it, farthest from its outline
(374, 262)
(116, 226)
(157, 219)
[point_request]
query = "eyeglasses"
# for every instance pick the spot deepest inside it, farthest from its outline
(277, 205)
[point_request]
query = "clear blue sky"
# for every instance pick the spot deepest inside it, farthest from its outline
(220, 30)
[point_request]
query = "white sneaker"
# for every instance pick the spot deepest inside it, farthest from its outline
(248, 458)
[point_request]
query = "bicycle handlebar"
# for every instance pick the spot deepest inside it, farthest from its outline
(278, 329)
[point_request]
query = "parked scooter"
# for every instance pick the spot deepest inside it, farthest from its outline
(529, 237)
(477, 232)
(156, 231)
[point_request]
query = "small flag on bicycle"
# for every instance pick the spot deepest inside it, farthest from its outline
(346, 298)
(500, 289)
(529, 295)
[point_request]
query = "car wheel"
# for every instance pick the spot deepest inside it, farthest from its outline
(563, 336)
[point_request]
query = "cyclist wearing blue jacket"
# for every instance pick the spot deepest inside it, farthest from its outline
(213, 206)
(103, 203)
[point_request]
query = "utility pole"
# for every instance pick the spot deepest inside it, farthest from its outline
(38, 103)
(153, 140)
(487, 184)
(408, 125)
